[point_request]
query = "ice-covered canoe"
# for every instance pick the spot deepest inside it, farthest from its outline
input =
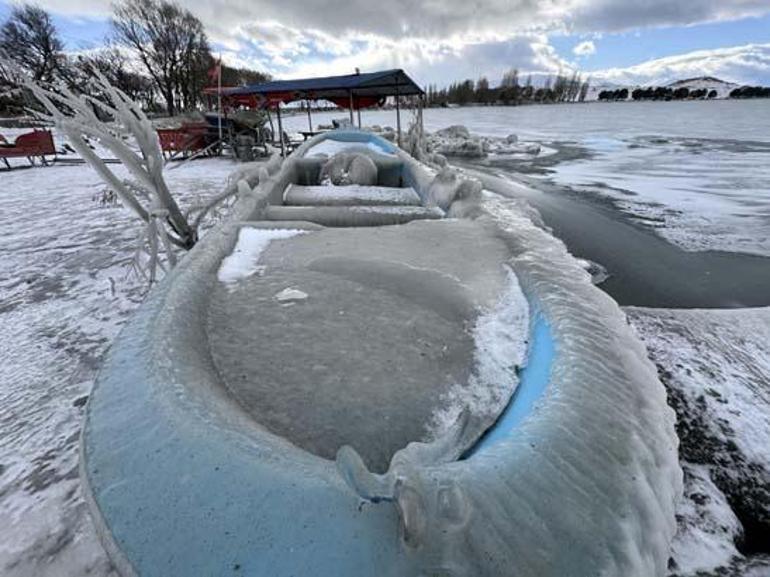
(400, 376)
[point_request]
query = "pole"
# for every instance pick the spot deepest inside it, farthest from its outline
(422, 109)
(309, 120)
(219, 96)
(359, 114)
(351, 107)
(398, 120)
(280, 130)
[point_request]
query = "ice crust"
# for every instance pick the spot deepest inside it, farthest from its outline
(331, 147)
(242, 262)
(352, 194)
(593, 466)
(499, 352)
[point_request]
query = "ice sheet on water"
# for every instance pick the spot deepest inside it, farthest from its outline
(699, 194)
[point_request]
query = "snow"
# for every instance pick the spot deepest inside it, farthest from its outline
(242, 262)
(707, 526)
(716, 366)
(500, 342)
(289, 295)
(65, 292)
(720, 358)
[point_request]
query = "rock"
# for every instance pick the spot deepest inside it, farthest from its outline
(511, 139)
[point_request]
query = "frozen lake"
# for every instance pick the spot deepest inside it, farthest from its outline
(673, 198)
(696, 172)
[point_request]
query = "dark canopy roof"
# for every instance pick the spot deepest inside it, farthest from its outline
(370, 84)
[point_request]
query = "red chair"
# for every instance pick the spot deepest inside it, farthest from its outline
(35, 144)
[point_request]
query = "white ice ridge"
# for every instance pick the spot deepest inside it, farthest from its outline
(500, 337)
(242, 262)
(586, 484)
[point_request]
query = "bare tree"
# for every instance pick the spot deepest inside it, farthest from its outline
(29, 39)
(116, 67)
(75, 117)
(146, 193)
(171, 44)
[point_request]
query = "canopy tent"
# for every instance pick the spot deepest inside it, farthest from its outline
(351, 91)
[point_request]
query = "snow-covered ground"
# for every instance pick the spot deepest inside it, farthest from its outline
(65, 292)
(716, 367)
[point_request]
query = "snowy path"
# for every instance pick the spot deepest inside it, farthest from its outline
(64, 294)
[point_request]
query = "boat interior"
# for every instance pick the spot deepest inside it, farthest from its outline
(358, 328)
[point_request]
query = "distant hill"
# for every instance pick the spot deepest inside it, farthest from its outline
(708, 82)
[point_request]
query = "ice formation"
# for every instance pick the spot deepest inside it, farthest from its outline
(499, 353)
(251, 242)
(600, 445)
(349, 168)
(457, 140)
(331, 147)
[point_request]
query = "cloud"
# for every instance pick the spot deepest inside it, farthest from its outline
(584, 48)
(747, 64)
(428, 61)
(438, 40)
(431, 19)
(617, 16)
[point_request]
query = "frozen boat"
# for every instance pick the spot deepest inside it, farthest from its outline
(374, 368)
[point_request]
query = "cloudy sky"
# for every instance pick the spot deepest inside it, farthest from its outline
(437, 41)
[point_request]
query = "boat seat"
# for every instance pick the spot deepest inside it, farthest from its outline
(344, 216)
(351, 195)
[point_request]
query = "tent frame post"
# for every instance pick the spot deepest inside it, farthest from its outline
(280, 130)
(358, 110)
(421, 109)
(398, 119)
(351, 107)
(309, 119)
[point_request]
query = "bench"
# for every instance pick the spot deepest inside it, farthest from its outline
(31, 145)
